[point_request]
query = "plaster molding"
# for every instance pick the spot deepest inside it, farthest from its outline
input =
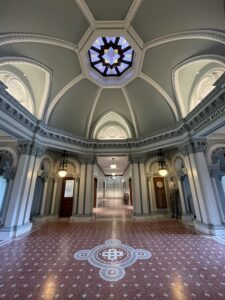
(212, 150)
(86, 11)
(204, 34)
(18, 89)
(133, 10)
(14, 153)
(12, 38)
(45, 69)
(162, 92)
(89, 120)
(136, 37)
(131, 110)
(57, 98)
(175, 75)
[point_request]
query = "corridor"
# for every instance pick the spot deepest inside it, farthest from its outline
(113, 260)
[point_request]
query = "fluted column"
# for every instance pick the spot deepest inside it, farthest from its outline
(210, 219)
(44, 194)
(216, 176)
(181, 193)
(139, 187)
(75, 196)
(15, 221)
(151, 193)
(54, 194)
(84, 207)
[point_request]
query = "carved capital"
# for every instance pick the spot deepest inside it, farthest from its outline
(198, 145)
(89, 159)
(134, 159)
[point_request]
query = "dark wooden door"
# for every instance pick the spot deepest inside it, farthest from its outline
(95, 192)
(160, 192)
(66, 206)
(131, 195)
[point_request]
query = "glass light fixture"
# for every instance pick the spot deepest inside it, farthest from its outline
(63, 163)
(110, 55)
(162, 164)
(113, 165)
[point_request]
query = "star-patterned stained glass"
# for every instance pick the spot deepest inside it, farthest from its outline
(111, 56)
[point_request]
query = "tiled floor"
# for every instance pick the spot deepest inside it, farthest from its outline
(183, 264)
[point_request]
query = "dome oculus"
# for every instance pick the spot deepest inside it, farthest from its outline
(111, 56)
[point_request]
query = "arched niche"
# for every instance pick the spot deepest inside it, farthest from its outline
(112, 126)
(194, 79)
(17, 89)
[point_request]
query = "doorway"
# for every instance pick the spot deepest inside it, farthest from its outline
(66, 205)
(160, 193)
(95, 192)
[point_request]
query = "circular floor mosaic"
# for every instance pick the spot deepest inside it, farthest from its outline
(112, 258)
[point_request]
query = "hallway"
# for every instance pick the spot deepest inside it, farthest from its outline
(113, 209)
(172, 262)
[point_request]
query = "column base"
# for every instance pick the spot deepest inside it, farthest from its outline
(218, 230)
(187, 217)
(41, 219)
(81, 218)
(13, 232)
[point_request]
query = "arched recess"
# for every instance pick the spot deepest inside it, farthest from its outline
(215, 156)
(8, 164)
(157, 186)
(182, 181)
(193, 80)
(112, 126)
(45, 170)
(28, 81)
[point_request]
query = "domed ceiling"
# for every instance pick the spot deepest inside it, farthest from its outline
(111, 69)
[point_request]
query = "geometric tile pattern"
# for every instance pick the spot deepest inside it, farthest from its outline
(112, 257)
(183, 265)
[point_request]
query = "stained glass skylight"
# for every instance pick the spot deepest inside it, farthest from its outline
(111, 56)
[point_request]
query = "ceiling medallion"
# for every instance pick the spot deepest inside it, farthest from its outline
(111, 56)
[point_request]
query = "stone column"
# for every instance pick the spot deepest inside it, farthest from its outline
(151, 193)
(75, 196)
(180, 188)
(54, 194)
(15, 223)
(44, 194)
(9, 175)
(185, 151)
(139, 187)
(216, 176)
(210, 220)
(86, 189)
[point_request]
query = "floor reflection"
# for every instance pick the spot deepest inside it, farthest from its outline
(113, 209)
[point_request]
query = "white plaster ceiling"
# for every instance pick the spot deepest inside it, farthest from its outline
(121, 162)
(56, 34)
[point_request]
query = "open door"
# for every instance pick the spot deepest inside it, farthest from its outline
(66, 206)
(95, 192)
(131, 195)
(160, 193)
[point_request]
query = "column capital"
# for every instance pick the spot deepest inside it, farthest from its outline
(135, 158)
(194, 145)
(87, 159)
(27, 147)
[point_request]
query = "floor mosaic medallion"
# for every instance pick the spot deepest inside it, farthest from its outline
(112, 258)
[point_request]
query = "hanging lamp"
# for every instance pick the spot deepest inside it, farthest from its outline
(63, 164)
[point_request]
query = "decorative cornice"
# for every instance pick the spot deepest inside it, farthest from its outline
(204, 34)
(211, 109)
(12, 38)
